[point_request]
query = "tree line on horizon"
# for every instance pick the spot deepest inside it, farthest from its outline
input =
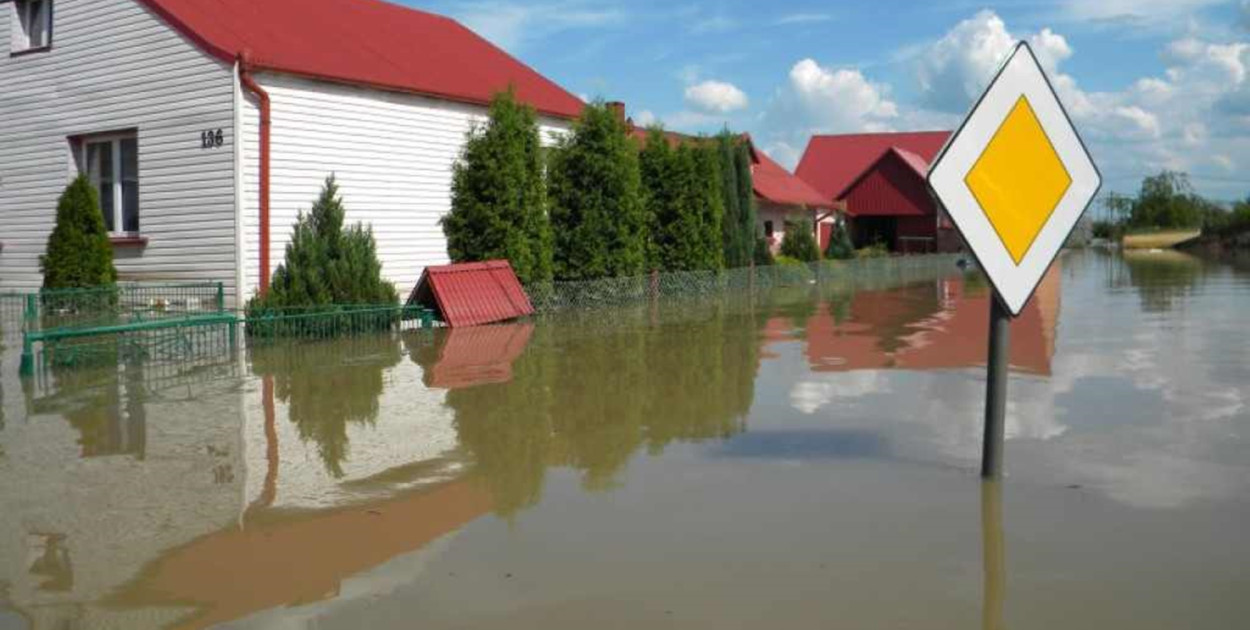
(1169, 201)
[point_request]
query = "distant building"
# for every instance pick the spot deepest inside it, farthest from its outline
(780, 197)
(207, 126)
(880, 177)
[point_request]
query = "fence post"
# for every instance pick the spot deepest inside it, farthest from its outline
(31, 316)
(751, 279)
(27, 367)
(221, 298)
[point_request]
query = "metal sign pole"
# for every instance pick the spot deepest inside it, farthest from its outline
(996, 390)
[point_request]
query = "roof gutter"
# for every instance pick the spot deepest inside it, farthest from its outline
(245, 77)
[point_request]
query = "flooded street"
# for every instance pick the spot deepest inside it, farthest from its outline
(806, 461)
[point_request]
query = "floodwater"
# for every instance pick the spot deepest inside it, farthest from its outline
(808, 461)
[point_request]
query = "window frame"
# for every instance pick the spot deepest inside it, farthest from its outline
(20, 37)
(113, 140)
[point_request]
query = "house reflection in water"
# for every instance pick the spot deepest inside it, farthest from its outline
(930, 326)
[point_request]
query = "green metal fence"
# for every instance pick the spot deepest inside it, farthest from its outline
(323, 322)
(121, 303)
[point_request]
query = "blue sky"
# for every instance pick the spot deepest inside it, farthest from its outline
(1151, 84)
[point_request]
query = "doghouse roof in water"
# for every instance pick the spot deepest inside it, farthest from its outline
(471, 294)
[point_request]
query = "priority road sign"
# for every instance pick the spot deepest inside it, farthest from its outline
(1015, 178)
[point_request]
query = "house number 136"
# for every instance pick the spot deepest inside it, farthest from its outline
(212, 139)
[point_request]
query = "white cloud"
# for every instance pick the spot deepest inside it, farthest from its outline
(645, 118)
(840, 99)
(1132, 13)
(716, 96)
(802, 18)
(510, 25)
(713, 24)
(958, 66)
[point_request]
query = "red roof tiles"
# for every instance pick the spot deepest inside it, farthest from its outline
(365, 42)
(832, 163)
(470, 294)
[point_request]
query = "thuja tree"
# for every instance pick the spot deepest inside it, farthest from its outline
(596, 210)
(799, 241)
(498, 196)
(705, 192)
(674, 230)
(738, 231)
(327, 263)
(79, 253)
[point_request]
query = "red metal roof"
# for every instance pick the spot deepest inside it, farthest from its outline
(831, 163)
(774, 183)
(470, 294)
(365, 42)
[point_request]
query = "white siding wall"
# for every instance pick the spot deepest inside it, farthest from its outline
(114, 65)
(391, 153)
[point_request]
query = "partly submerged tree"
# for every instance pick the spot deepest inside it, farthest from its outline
(738, 229)
(840, 245)
(596, 209)
(327, 263)
(78, 253)
(498, 196)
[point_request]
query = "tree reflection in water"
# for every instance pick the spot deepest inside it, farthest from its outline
(107, 406)
(589, 397)
(323, 393)
(1162, 277)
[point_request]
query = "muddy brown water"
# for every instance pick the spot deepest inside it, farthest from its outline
(806, 461)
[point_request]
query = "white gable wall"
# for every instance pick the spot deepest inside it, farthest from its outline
(114, 65)
(391, 153)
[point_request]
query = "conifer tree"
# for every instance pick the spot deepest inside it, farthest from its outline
(736, 247)
(748, 232)
(499, 199)
(78, 253)
(710, 205)
(326, 263)
(840, 246)
(799, 241)
(596, 210)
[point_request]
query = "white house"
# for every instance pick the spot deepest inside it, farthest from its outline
(208, 126)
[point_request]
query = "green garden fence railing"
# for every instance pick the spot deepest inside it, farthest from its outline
(329, 321)
(109, 305)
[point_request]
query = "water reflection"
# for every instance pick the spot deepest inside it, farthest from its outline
(323, 394)
(1161, 278)
(591, 401)
(993, 556)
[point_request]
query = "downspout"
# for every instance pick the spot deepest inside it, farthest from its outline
(245, 77)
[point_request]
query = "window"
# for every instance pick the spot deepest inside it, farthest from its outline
(768, 229)
(112, 164)
(32, 25)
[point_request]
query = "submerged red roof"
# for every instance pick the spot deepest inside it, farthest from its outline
(469, 294)
(831, 163)
(366, 42)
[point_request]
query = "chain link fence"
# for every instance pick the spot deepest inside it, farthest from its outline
(743, 285)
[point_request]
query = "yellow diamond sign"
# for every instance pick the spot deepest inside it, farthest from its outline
(1019, 179)
(1015, 178)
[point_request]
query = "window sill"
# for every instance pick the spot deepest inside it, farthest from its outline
(30, 51)
(129, 241)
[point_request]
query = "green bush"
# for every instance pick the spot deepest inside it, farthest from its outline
(738, 229)
(876, 250)
(498, 196)
(763, 253)
(840, 246)
(799, 241)
(79, 253)
(596, 209)
(326, 263)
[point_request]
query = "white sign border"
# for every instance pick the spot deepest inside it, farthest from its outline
(1020, 75)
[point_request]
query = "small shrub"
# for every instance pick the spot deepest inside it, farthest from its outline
(876, 250)
(840, 246)
(792, 271)
(78, 253)
(799, 241)
(763, 254)
(326, 263)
